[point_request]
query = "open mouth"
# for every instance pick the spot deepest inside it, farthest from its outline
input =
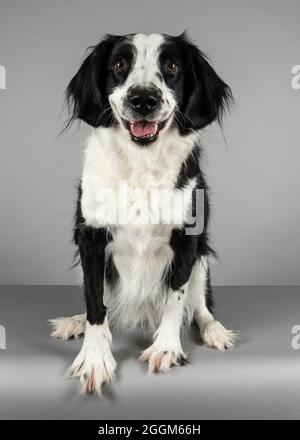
(144, 132)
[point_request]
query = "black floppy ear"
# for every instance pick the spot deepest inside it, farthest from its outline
(208, 96)
(86, 92)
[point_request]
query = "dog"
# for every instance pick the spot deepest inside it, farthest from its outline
(147, 98)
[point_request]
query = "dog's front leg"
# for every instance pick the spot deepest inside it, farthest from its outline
(166, 349)
(95, 364)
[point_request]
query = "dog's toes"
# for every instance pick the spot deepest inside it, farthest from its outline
(145, 355)
(215, 335)
(160, 360)
(67, 328)
(94, 371)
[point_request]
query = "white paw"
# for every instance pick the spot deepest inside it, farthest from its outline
(66, 328)
(214, 334)
(162, 357)
(95, 364)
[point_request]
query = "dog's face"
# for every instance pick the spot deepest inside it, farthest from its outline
(147, 84)
(143, 76)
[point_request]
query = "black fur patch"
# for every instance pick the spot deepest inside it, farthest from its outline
(189, 248)
(91, 243)
(87, 94)
(189, 169)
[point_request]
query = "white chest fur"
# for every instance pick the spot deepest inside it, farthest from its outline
(140, 251)
(113, 165)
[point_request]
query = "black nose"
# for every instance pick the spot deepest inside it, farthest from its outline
(144, 100)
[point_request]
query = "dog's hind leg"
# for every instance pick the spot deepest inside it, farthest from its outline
(68, 328)
(212, 332)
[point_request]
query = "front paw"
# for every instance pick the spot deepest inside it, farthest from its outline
(94, 369)
(161, 357)
(95, 364)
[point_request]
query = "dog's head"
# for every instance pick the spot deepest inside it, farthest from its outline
(147, 84)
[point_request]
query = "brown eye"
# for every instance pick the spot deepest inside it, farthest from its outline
(171, 67)
(120, 66)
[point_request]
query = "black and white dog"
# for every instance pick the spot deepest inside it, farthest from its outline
(147, 99)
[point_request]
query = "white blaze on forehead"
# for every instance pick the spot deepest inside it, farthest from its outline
(146, 67)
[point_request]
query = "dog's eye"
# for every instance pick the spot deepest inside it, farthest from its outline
(120, 66)
(171, 66)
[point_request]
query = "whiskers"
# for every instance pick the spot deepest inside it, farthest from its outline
(106, 117)
(180, 118)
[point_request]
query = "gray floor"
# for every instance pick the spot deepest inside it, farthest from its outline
(260, 378)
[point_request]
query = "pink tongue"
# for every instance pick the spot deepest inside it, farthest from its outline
(142, 128)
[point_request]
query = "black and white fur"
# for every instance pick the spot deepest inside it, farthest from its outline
(153, 276)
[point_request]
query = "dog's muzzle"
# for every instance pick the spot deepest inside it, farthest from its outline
(143, 104)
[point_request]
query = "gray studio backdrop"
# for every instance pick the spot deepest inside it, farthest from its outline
(254, 180)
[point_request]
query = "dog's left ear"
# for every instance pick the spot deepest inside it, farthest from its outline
(86, 93)
(208, 96)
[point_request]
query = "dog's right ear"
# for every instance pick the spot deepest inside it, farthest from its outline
(86, 92)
